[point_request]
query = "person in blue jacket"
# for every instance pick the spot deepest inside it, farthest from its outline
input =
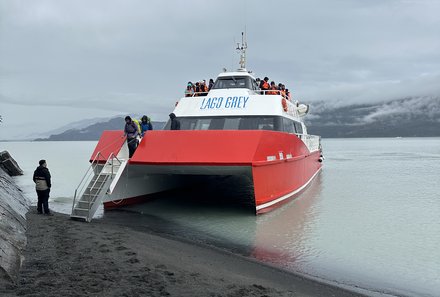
(145, 125)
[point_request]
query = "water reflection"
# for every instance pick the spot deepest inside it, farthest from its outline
(277, 237)
(281, 234)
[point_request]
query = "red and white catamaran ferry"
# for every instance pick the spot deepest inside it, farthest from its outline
(236, 131)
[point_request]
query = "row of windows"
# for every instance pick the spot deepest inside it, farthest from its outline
(274, 123)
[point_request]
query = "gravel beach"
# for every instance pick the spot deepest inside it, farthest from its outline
(70, 258)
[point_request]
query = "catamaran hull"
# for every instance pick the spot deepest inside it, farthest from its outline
(272, 167)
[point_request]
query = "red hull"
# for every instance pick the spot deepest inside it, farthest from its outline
(280, 163)
(281, 180)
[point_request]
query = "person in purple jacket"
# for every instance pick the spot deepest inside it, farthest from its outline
(131, 131)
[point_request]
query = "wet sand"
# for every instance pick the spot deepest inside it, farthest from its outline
(70, 258)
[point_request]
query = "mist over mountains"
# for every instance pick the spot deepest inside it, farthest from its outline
(409, 117)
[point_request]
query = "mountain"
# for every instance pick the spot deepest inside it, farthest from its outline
(94, 131)
(408, 117)
(74, 125)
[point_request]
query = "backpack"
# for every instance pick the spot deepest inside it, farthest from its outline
(138, 125)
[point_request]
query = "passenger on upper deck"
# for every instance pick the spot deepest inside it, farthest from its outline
(197, 89)
(264, 84)
(273, 89)
(288, 95)
(211, 83)
(257, 81)
(283, 91)
(203, 88)
(189, 90)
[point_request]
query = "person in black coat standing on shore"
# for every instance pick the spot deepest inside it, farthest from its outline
(42, 186)
(175, 123)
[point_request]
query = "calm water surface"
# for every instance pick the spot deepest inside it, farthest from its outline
(371, 219)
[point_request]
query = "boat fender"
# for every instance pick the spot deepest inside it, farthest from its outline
(284, 104)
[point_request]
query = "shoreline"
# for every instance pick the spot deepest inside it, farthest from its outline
(70, 258)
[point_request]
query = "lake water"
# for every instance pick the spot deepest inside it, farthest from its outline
(370, 220)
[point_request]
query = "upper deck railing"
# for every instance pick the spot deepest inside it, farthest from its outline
(258, 92)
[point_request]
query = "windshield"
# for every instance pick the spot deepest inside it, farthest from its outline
(233, 82)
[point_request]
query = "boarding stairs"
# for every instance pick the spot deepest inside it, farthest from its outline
(99, 180)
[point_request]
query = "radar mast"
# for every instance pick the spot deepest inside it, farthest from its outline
(242, 50)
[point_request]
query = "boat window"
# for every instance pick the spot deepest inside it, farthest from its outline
(233, 82)
(230, 123)
(289, 125)
(299, 128)
(202, 124)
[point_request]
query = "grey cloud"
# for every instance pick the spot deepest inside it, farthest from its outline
(122, 55)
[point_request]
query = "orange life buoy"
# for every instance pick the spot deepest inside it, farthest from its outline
(284, 103)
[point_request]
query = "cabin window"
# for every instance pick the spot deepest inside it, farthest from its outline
(288, 125)
(230, 123)
(291, 126)
(233, 82)
(203, 124)
(299, 128)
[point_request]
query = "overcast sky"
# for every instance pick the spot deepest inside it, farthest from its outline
(67, 60)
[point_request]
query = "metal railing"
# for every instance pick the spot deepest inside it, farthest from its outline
(313, 142)
(259, 92)
(90, 174)
(110, 161)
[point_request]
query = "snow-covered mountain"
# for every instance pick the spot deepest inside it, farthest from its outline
(409, 117)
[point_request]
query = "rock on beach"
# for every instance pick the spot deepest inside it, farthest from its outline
(9, 165)
(13, 209)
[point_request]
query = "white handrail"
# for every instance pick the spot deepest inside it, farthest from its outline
(79, 191)
(110, 157)
(83, 182)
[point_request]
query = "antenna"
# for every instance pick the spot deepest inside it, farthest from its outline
(242, 50)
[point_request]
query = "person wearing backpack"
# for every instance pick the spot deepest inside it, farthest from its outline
(150, 125)
(145, 125)
(42, 186)
(131, 130)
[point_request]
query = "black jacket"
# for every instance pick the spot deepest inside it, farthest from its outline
(42, 178)
(175, 124)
